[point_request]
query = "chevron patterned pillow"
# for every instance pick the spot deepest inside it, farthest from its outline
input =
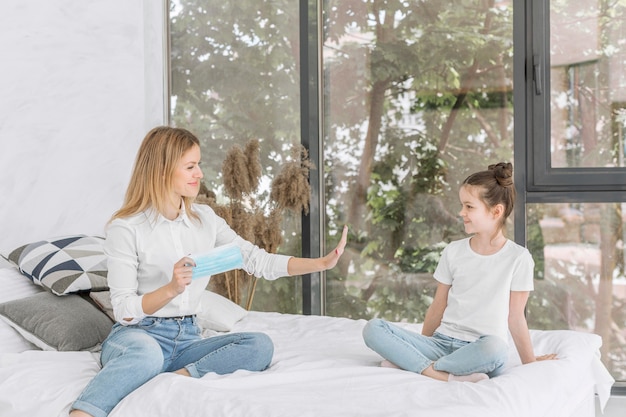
(63, 265)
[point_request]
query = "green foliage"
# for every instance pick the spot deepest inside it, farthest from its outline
(474, 99)
(235, 76)
(429, 81)
(402, 298)
(281, 295)
(436, 64)
(403, 201)
(534, 239)
(412, 259)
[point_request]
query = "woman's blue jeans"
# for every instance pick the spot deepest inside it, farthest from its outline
(132, 355)
(415, 352)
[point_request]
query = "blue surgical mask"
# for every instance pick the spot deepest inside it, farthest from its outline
(217, 260)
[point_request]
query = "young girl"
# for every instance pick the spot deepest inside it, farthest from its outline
(154, 298)
(483, 285)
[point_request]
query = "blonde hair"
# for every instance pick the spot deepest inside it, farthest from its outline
(151, 179)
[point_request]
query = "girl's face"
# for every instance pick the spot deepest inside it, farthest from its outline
(187, 175)
(477, 217)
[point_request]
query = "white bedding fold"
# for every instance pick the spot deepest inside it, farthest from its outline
(42, 383)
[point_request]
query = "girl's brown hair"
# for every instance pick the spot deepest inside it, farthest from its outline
(495, 187)
(151, 179)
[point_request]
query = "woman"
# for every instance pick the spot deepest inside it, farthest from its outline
(153, 295)
(483, 285)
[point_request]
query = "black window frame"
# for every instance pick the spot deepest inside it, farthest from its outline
(313, 285)
(591, 184)
(539, 182)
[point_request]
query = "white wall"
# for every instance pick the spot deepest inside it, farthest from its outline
(81, 82)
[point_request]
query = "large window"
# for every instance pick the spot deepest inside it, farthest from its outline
(398, 102)
(235, 78)
(418, 95)
(576, 179)
(580, 282)
(587, 84)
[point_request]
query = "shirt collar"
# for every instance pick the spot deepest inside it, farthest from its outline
(156, 219)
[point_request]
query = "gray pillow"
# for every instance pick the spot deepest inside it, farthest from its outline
(69, 323)
(103, 301)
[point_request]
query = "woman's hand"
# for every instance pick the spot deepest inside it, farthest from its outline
(181, 276)
(332, 258)
(301, 266)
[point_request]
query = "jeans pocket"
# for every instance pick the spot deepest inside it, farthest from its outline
(148, 323)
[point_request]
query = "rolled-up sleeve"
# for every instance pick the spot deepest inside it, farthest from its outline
(122, 262)
(256, 261)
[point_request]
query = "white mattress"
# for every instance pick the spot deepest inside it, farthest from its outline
(321, 367)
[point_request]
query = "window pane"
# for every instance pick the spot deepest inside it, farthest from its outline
(580, 285)
(588, 83)
(418, 95)
(235, 77)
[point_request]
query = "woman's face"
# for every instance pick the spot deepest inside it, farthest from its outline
(187, 175)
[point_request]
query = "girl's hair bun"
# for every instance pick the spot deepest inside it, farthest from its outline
(503, 171)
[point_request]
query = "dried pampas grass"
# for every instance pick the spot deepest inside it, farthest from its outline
(291, 188)
(257, 223)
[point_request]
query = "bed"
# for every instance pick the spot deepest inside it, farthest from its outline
(321, 367)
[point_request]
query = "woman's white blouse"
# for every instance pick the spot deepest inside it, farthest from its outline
(142, 250)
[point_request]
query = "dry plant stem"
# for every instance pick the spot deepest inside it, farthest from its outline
(227, 279)
(237, 289)
(251, 292)
(257, 220)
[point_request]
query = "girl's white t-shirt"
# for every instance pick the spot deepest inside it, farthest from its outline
(478, 301)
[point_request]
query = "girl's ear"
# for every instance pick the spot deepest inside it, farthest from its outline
(497, 210)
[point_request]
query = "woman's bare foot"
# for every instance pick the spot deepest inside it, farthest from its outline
(79, 413)
(183, 372)
(475, 377)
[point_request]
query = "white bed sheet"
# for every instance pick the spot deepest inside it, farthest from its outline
(321, 367)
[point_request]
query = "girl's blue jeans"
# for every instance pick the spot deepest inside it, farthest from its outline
(132, 355)
(415, 352)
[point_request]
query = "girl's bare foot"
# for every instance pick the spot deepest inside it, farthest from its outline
(475, 377)
(387, 364)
